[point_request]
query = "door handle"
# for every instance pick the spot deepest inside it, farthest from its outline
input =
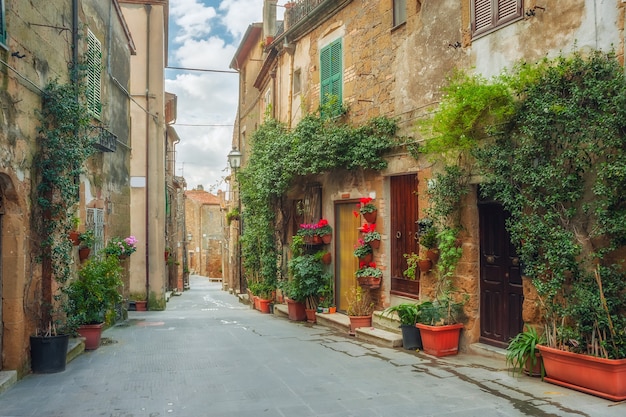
(398, 234)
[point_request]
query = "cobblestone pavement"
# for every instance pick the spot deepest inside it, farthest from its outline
(209, 355)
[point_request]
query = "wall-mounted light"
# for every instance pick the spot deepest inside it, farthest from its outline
(234, 159)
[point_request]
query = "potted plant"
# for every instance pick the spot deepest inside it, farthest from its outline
(427, 232)
(138, 302)
(522, 353)
(368, 275)
(232, 215)
(367, 209)
(370, 235)
(74, 234)
(122, 248)
(92, 296)
(360, 308)
(407, 314)
(440, 326)
(86, 240)
(308, 231)
(324, 231)
(294, 298)
(363, 251)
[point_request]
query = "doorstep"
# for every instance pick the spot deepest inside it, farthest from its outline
(341, 322)
(75, 347)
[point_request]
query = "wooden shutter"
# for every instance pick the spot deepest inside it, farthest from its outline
(331, 71)
(94, 62)
(489, 14)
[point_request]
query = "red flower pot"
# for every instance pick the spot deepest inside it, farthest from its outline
(360, 321)
(92, 334)
(326, 239)
(74, 237)
(370, 217)
(375, 244)
(370, 282)
(601, 377)
(83, 253)
(327, 258)
(367, 258)
(264, 305)
(296, 310)
(425, 265)
(440, 340)
(310, 315)
(433, 255)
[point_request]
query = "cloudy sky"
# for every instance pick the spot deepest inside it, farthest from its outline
(204, 34)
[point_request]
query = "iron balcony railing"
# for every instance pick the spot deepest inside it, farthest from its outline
(298, 10)
(106, 141)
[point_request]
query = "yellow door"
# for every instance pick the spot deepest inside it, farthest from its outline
(346, 237)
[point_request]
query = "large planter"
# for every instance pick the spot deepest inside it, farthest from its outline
(264, 305)
(369, 282)
(440, 340)
(601, 377)
(360, 321)
(296, 310)
(48, 354)
(411, 338)
(92, 334)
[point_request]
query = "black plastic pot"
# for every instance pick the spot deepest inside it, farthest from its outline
(48, 354)
(411, 338)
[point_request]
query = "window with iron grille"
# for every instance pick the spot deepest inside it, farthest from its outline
(94, 69)
(331, 73)
(95, 222)
(488, 15)
(3, 24)
(399, 12)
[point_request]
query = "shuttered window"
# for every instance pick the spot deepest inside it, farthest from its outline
(399, 12)
(331, 73)
(3, 24)
(94, 71)
(488, 15)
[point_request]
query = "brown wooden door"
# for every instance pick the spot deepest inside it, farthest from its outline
(346, 236)
(501, 294)
(403, 232)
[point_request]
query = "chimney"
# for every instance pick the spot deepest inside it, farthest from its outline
(269, 20)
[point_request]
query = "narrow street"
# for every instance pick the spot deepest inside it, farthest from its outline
(209, 355)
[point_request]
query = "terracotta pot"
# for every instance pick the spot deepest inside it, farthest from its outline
(359, 321)
(425, 265)
(326, 239)
(433, 255)
(167, 255)
(332, 310)
(375, 244)
(601, 377)
(370, 217)
(296, 310)
(310, 315)
(92, 334)
(122, 256)
(264, 305)
(317, 240)
(327, 258)
(367, 258)
(141, 305)
(255, 302)
(370, 282)
(440, 340)
(535, 370)
(74, 236)
(83, 253)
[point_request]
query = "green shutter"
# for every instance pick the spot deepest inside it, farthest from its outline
(94, 63)
(3, 24)
(331, 72)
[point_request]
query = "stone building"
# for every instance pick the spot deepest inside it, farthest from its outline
(205, 224)
(39, 44)
(391, 58)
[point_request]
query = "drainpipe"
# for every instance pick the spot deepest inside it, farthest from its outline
(74, 38)
(148, 8)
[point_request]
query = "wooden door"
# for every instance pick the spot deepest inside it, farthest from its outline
(403, 232)
(501, 294)
(346, 236)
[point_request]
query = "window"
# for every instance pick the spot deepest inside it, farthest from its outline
(94, 68)
(399, 12)
(3, 24)
(331, 73)
(297, 80)
(488, 15)
(268, 102)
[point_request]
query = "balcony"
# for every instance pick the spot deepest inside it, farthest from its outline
(105, 140)
(309, 13)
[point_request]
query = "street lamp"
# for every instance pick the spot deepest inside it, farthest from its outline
(234, 160)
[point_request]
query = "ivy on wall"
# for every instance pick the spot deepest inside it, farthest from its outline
(280, 156)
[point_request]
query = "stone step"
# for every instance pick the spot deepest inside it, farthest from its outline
(341, 322)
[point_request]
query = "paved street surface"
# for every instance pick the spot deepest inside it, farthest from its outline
(209, 355)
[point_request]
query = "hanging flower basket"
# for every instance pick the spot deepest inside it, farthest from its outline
(425, 265)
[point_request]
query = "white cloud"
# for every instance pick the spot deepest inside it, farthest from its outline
(205, 34)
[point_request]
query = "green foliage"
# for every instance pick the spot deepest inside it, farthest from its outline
(279, 157)
(442, 311)
(359, 302)
(94, 292)
(522, 349)
(559, 169)
(450, 253)
(362, 250)
(232, 215)
(308, 278)
(446, 194)
(369, 271)
(407, 313)
(87, 239)
(412, 259)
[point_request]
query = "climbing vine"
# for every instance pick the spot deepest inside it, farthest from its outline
(280, 156)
